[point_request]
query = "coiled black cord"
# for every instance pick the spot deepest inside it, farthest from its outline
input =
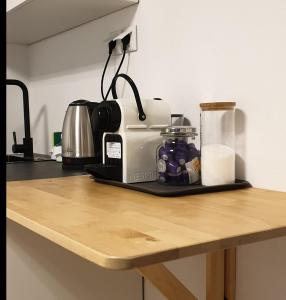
(141, 114)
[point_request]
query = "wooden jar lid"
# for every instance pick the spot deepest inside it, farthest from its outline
(217, 105)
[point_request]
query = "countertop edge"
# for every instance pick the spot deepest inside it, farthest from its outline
(125, 263)
(100, 259)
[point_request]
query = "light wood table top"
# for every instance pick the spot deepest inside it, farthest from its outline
(118, 228)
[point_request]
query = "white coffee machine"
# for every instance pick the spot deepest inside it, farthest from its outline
(131, 136)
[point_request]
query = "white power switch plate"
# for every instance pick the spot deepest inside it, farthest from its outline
(133, 45)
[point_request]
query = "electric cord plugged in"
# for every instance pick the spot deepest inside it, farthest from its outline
(141, 114)
(117, 72)
(111, 47)
(103, 74)
(125, 43)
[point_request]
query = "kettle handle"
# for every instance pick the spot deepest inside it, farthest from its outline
(142, 116)
(91, 106)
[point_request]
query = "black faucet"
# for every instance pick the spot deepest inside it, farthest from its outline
(27, 146)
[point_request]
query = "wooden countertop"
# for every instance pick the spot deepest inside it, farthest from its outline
(118, 228)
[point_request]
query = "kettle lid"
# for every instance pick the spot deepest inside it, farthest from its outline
(80, 102)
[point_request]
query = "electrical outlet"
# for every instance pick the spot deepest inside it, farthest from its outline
(112, 35)
(133, 45)
(133, 41)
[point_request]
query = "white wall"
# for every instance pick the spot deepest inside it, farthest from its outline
(41, 270)
(189, 52)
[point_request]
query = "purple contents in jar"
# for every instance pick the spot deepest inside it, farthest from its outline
(184, 177)
(173, 168)
(191, 145)
(163, 153)
(181, 156)
(170, 153)
(181, 144)
(162, 177)
(192, 153)
(170, 144)
(161, 166)
(173, 158)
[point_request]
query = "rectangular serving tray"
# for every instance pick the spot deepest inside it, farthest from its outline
(164, 190)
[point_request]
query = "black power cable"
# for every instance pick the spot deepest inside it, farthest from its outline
(141, 114)
(125, 42)
(118, 70)
(111, 46)
(103, 74)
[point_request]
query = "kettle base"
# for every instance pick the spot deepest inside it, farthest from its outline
(78, 163)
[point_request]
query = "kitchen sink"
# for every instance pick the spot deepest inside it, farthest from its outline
(14, 158)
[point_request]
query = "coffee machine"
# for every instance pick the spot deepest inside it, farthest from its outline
(131, 134)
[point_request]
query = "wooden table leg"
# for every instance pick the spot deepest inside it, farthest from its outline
(221, 275)
(166, 282)
(220, 278)
(230, 273)
(215, 275)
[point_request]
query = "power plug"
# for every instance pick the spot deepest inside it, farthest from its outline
(133, 45)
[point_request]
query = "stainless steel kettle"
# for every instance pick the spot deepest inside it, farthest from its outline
(78, 145)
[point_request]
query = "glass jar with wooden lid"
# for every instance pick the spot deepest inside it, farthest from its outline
(217, 121)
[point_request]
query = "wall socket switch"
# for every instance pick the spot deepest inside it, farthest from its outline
(133, 45)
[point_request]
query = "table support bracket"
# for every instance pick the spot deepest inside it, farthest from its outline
(220, 278)
(166, 282)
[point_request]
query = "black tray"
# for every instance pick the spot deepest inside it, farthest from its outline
(164, 190)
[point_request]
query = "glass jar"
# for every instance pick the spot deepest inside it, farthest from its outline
(178, 161)
(217, 143)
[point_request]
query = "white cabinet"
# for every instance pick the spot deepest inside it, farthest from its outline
(29, 21)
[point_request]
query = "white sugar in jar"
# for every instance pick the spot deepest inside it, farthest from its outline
(217, 143)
